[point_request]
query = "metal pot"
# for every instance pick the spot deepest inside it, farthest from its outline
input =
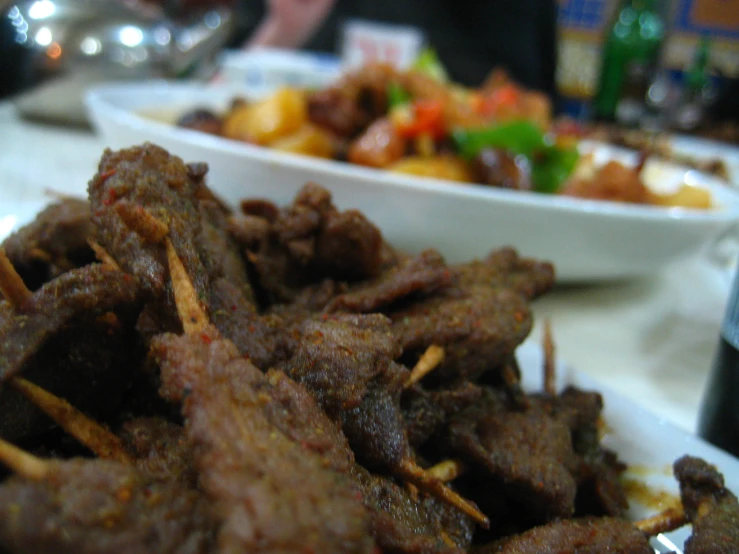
(67, 45)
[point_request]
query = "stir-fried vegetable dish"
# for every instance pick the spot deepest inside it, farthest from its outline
(417, 122)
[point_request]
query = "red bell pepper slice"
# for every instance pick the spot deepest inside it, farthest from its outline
(425, 117)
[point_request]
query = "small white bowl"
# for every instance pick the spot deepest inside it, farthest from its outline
(266, 69)
(586, 240)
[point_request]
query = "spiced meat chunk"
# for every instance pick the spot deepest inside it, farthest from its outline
(352, 103)
(403, 524)
(575, 536)
(479, 328)
(74, 338)
(270, 492)
(311, 241)
(426, 412)
(711, 508)
(527, 454)
(412, 277)
(160, 448)
(347, 362)
(505, 268)
(598, 470)
(339, 356)
(220, 252)
(54, 242)
(94, 289)
(265, 339)
(92, 506)
(143, 194)
(139, 184)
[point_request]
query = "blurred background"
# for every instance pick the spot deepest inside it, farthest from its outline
(655, 64)
(692, 68)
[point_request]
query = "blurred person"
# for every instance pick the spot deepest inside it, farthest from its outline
(471, 37)
(290, 23)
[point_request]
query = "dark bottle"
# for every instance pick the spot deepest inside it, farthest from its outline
(718, 421)
(630, 56)
(697, 92)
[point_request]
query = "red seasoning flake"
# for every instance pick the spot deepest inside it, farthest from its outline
(107, 175)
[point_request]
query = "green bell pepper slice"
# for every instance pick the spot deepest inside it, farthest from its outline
(397, 95)
(553, 169)
(518, 137)
(428, 63)
(550, 164)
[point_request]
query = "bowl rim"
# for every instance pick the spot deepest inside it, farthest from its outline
(109, 100)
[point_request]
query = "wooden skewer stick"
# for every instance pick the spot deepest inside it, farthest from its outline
(98, 439)
(193, 317)
(12, 286)
(510, 377)
(141, 222)
(102, 255)
(512, 381)
(550, 375)
(86, 430)
(430, 485)
(446, 471)
(59, 195)
(21, 462)
(428, 361)
(664, 522)
(41, 255)
(412, 490)
(448, 540)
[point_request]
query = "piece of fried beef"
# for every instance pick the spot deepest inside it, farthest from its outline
(526, 453)
(311, 240)
(270, 493)
(575, 536)
(479, 328)
(73, 337)
(99, 506)
(138, 185)
(54, 242)
(712, 509)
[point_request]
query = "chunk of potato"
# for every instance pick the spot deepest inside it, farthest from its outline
(263, 122)
(234, 123)
(685, 197)
(308, 140)
(439, 167)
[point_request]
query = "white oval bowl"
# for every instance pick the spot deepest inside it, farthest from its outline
(586, 240)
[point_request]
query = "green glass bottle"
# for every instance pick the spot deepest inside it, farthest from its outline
(697, 77)
(630, 57)
(697, 92)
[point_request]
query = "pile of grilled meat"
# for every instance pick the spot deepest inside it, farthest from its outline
(177, 377)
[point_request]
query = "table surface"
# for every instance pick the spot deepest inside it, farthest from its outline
(651, 339)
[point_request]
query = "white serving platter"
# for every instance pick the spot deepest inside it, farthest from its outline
(587, 240)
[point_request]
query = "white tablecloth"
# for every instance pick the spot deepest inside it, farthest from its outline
(652, 340)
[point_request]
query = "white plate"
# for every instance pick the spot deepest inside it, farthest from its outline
(644, 440)
(706, 149)
(266, 69)
(586, 240)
